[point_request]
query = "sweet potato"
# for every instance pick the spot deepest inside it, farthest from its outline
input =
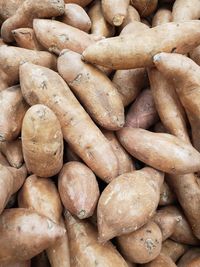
(78, 129)
(161, 261)
(11, 57)
(25, 38)
(18, 264)
(128, 202)
(124, 159)
(184, 10)
(76, 16)
(145, 7)
(61, 36)
(132, 16)
(99, 25)
(165, 152)
(86, 250)
(190, 259)
(167, 196)
(82, 3)
(3, 80)
(177, 37)
(115, 11)
(94, 90)
(142, 113)
(143, 245)
(168, 105)
(27, 11)
(8, 8)
(162, 16)
(78, 189)
(187, 88)
(13, 108)
(42, 141)
(173, 249)
(18, 227)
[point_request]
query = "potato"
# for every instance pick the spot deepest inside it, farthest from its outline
(99, 25)
(25, 38)
(13, 108)
(132, 16)
(143, 245)
(18, 264)
(61, 36)
(85, 250)
(78, 129)
(167, 196)
(110, 52)
(82, 3)
(76, 16)
(8, 8)
(78, 189)
(173, 249)
(142, 113)
(124, 159)
(165, 152)
(184, 10)
(94, 90)
(20, 226)
(162, 16)
(3, 80)
(145, 7)
(168, 105)
(169, 66)
(13, 152)
(161, 261)
(27, 11)
(115, 11)
(128, 202)
(42, 141)
(11, 57)
(190, 259)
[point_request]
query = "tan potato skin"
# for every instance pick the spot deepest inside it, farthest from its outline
(145, 7)
(94, 90)
(19, 226)
(190, 259)
(78, 129)
(11, 57)
(128, 202)
(162, 16)
(168, 105)
(124, 159)
(82, 3)
(161, 261)
(25, 38)
(61, 36)
(115, 11)
(184, 10)
(8, 8)
(173, 249)
(142, 113)
(18, 264)
(76, 16)
(78, 189)
(85, 250)
(99, 25)
(169, 66)
(154, 150)
(27, 11)
(177, 37)
(42, 141)
(167, 196)
(132, 16)
(13, 108)
(143, 245)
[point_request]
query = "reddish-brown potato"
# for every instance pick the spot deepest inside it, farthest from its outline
(128, 202)
(161, 261)
(94, 89)
(42, 141)
(78, 189)
(173, 249)
(163, 15)
(184, 10)
(145, 7)
(162, 151)
(78, 129)
(167, 196)
(143, 245)
(85, 250)
(190, 259)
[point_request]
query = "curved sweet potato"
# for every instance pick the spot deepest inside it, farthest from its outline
(145, 7)
(173, 249)
(184, 10)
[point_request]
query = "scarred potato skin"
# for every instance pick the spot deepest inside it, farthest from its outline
(173, 249)
(145, 7)
(115, 11)
(76, 16)
(190, 259)
(162, 16)
(174, 37)
(18, 226)
(161, 261)
(94, 90)
(42, 141)
(85, 250)
(167, 196)
(139, 143)
(184, 10)
(128, 202)
(29, 10)
(78, 129)
(82, 3)
(61, 36)
(143, 245)
(78, 189)
(13, 108)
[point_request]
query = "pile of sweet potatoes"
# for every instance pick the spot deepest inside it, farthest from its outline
(100, 133)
